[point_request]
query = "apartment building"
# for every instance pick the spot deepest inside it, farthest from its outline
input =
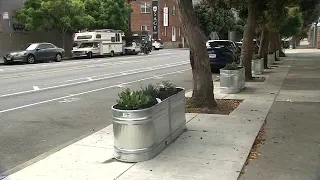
(160, 18)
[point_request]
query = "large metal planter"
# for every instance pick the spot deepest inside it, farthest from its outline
(140, 135)
(257, 66)
(271, 59)
(232, 81)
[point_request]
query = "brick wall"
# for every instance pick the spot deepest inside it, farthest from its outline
(165, 33)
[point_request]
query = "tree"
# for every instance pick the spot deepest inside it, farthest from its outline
(199, 59)
(64, 15)
(214, 19)
(253, 9)
(111, 14)
(293, 23)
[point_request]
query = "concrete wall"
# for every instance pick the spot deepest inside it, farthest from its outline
(13, 41)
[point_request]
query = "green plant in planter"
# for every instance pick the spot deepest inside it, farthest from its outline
(151, 90)
(231, 66)
(135, 100)
(167, 89)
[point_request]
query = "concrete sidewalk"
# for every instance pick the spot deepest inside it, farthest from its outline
(215, 147)
(291, 150)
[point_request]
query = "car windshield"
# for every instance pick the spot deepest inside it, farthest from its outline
(31, 47)
(86, 45)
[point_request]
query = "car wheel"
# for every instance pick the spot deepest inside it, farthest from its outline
(58, 58)
(112, 54)
(89, 55)
(31, 59)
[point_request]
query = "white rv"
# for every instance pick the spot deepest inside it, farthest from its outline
(98, 43)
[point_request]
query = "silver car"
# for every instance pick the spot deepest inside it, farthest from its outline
(36, 52)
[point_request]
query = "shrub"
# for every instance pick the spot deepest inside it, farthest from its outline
(231, 66)
(135, 100)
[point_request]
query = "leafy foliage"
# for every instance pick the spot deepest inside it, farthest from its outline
(214, 19)
(231, 66)
(135, 100)
(146, 97)
(64, 15)
(111, 14)
(293, 23)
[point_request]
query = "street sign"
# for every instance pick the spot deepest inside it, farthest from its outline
(155, 19)
(5, 15)
(165, 17)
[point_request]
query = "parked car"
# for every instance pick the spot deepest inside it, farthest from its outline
(157, 44)
(220, 56)
(227, 44)
(36, 52)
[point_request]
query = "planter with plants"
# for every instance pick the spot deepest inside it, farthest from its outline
(146, 121)
(232, 79)
(257, 65)
(271, 58)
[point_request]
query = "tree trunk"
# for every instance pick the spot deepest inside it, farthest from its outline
(199, 59)
(248, 34)
(264, 45)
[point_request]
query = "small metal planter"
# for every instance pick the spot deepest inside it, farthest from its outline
(140, 135)
(232, 81)
(257, 66)
(271, 59)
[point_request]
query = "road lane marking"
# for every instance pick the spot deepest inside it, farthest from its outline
(81, 62)
(86, 92)
(85, 66)
(69, 100)
(1, 69)
(98, 79)
(36, 88)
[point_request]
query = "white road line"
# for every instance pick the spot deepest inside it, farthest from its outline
(98, 79)
(90, 79)
(1, 69)
(86, 92)
(36, 88)
(33, 66)
(124, 72)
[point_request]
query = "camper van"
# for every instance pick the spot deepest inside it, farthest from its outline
(98, 43)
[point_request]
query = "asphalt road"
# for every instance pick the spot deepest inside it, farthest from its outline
(46, 106)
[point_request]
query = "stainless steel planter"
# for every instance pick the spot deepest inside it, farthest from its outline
(271, 59)
(232, 81)
(257, 66)
(140, 135)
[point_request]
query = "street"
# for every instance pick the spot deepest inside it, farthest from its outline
(47, 106)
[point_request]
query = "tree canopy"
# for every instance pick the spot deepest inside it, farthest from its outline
(214, 19)
(64, 15)
(111, 14)
(293, 23)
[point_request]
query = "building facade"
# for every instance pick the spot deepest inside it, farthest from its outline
(13, 34)
(160, 18)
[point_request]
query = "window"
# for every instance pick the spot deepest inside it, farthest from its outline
(174, 10)
(179, 31)
(145, 28)
(113, 39)
(50, 46)
(117, 37)
(145, 8)
(85, 37)
(165, 31)
(98, 36)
